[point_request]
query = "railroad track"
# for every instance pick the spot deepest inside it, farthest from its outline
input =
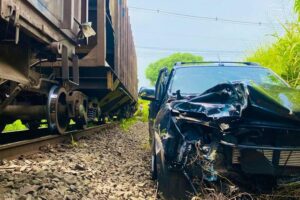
(33, 143)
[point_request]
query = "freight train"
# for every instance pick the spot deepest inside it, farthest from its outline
(63, 60)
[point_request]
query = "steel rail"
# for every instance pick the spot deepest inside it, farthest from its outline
(26, 147)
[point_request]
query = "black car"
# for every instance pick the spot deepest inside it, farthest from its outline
(225, 119)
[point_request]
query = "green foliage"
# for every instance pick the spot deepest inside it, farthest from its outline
(283, 56)
(140, 115)
(127, 123)
(74, 143)
(297, 8)
(153, 69)
(142, 112)
(16, 126)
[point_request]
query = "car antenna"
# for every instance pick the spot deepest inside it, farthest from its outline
(220, 63)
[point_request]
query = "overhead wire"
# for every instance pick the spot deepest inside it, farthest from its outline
(190, 16)
(217, 19)
(189, 50)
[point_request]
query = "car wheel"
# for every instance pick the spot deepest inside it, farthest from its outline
(151, 132)
(153, 161)
(172, 184)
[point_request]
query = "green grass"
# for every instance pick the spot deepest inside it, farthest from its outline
(16, 126)
(143, 110)
(140, 115)
(283, 56)
(127, 123)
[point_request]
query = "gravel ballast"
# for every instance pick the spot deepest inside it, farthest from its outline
(112, 165)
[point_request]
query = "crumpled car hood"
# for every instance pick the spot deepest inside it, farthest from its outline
(229, 100)
(279, 100)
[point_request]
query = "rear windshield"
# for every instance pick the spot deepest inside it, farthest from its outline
(196, 80)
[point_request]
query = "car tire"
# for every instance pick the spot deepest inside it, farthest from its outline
(172, 184)
(153, 161)
(151, 131)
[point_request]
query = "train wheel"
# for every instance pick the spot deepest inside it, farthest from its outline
(58, 117)
(81, 115)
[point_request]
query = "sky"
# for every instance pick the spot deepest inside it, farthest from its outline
(226, 30)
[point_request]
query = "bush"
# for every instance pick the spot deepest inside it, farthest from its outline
(283, 56)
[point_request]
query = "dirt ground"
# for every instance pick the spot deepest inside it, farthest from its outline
(109, 165)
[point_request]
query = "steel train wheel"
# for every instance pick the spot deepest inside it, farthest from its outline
(58, 117)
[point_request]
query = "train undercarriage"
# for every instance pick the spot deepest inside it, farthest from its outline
(58, 102)
(56, 66)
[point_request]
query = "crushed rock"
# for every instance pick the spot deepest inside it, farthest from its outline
(109, 165)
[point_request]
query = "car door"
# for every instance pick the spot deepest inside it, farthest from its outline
(160, 90)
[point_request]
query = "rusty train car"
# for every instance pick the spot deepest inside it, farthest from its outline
(66, 59)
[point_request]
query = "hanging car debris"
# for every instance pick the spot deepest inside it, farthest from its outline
(215, 120)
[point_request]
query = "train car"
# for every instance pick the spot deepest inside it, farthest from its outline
(62, 60)
(112, 56)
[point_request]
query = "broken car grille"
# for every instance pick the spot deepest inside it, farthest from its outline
(289, 158)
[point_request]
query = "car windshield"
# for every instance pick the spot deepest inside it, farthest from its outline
(196, 80)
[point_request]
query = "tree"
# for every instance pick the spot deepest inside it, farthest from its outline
(153, 69)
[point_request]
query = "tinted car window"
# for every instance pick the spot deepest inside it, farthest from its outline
(195, 80)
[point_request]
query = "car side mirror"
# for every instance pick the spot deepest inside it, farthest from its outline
(147, 94)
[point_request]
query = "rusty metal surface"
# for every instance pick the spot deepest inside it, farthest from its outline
(62, 13)
(13, 66)
(117, 44)
(13, 150)
(97, 46)
(54, 7)
(44, 20)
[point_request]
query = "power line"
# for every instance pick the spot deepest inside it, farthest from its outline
(217, 19)
(190, 50)
(198, 36)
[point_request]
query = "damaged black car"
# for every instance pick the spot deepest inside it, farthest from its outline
(213, 120)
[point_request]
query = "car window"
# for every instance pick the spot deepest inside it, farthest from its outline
(196, 80)
(160, 87)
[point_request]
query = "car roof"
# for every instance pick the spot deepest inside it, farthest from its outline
(216, 64)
